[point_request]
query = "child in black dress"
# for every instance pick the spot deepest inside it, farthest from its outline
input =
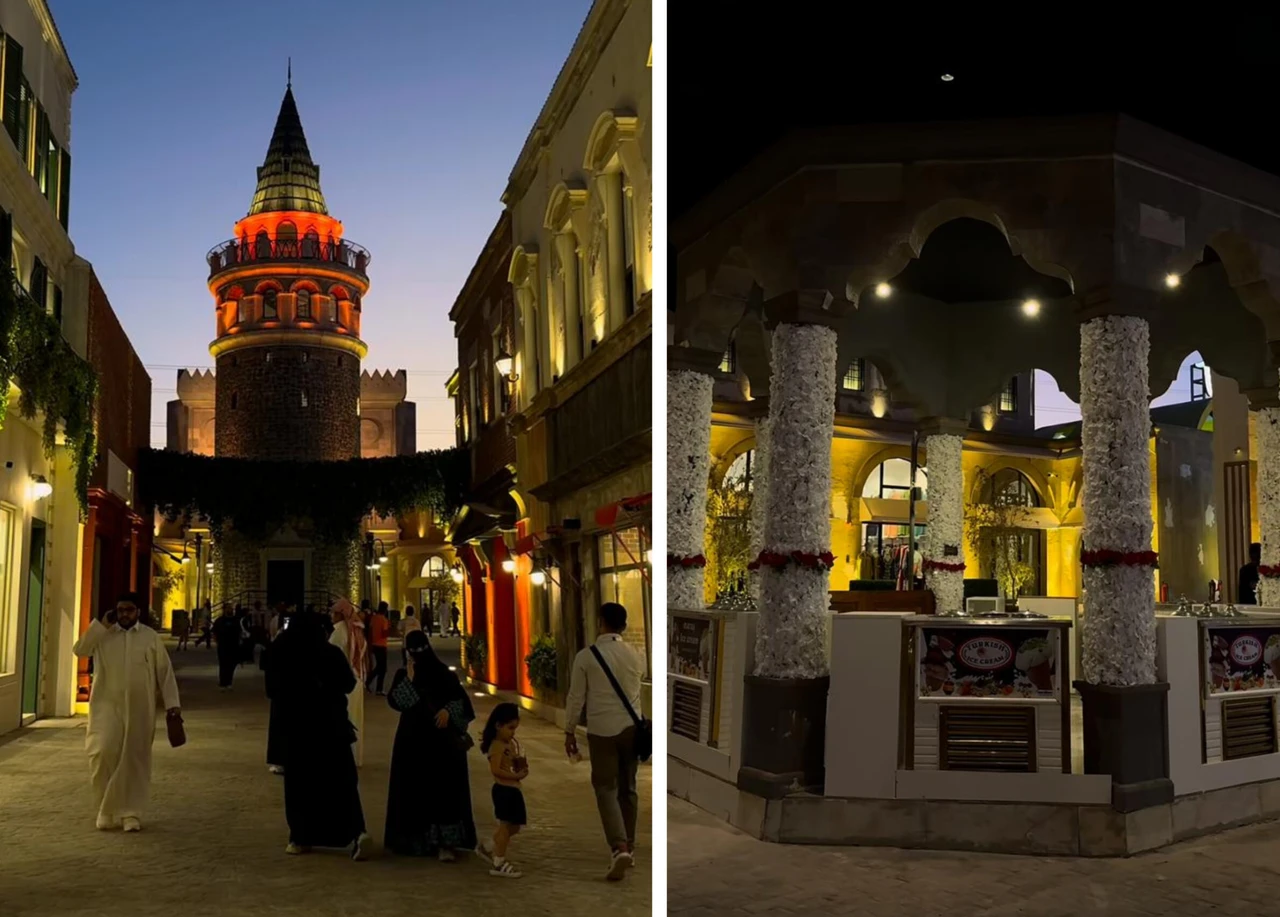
(509, 767)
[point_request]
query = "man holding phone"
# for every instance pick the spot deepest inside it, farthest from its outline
(131, 668)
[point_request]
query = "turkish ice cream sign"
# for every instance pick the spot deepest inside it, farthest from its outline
(1241, 659)
(1000, 662)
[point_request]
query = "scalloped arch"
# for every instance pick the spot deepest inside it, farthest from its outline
(561, 204)
(524, 266)
(611, 128)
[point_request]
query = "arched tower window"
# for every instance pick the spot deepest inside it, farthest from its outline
(304, 304)
(269, 304)
(262, 245)
(311, 244)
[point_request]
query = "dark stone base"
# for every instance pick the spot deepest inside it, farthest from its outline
(1126, 732)
(784, 735)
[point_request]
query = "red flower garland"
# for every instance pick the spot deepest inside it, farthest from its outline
(1269, 571)
(1106, 557)
(931, 564)
(686, 560)
(824, 561)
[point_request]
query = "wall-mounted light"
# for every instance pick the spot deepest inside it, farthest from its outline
(1172, 281)
(1031, 307)
(879, 403)
(505, 365)
(538, 577)
(40, 486)
(456, 574)
(883, 290)
(383, 558)
(186, 558)
(208, 568)
(509, 566)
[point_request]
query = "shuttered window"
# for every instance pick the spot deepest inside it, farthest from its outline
(64, 187)
(6, 239)
(12, 88)
(39, 286)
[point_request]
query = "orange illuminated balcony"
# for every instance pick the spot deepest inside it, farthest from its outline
(334, 253)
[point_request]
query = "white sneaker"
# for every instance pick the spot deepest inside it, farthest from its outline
(132, 824)
(275, 768)
(361, 851)
(503, 869)
(296, 849)
(618, 868)
(106, 824)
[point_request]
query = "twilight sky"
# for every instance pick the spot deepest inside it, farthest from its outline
(415, 111)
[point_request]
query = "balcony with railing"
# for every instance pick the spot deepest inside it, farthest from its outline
(238, 253)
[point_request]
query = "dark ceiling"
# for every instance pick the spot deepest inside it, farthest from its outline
(738, 82)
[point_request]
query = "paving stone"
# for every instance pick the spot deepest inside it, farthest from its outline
(213, 840)
(712, 867)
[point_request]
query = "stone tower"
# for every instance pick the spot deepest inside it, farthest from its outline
(288, 290)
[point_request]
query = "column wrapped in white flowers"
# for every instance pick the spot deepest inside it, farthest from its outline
(795, 560)
(759, 501)
(944, 536)
(1267, 431)
(688, 469)
(1119, 639)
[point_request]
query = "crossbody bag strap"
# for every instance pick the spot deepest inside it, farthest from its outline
(595, 651)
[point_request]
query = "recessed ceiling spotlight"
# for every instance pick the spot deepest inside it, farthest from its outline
(947, 77)
(1031, 307)
(1172, 280)
(883, 290)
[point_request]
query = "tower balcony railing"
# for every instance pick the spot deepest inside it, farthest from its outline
(239, 252)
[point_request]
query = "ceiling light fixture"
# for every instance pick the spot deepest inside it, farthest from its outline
(1172, 281)
(947, 78)
(883, 290)
(1031, 307)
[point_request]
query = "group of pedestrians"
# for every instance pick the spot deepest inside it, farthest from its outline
(317, 672)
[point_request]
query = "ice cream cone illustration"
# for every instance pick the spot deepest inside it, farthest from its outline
(1271, 654)
(1036, 660)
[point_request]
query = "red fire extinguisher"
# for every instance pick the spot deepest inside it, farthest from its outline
(1164, 593)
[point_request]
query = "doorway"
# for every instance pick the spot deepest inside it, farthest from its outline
(35, 621)
(286, 582)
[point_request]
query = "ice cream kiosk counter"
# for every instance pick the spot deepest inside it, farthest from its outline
(1240, 665)
(987, 694)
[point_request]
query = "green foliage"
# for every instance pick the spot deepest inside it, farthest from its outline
(444, 587)
(258, 497)
(169, 582)
(476, 649)
(728, 544)
(51, 377)
(993, 529)
(543, 663)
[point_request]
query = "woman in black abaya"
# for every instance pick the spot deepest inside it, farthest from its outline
(308, 681)
(429, 802)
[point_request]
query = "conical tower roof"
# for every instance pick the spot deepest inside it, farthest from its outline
(288, 179)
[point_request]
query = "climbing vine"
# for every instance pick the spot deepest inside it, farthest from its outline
(52, 379)
(258, 497)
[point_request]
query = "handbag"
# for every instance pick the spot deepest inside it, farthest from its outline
(404, 696)
(177, 732)
(644, 728)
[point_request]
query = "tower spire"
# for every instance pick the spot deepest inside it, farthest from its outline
(288, 179)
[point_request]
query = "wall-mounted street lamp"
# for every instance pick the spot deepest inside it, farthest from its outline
(538, 578)
(505, 364)
(40, 486)
(509, 565)
(457, 575)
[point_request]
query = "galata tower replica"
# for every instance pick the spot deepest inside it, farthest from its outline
(288, 290)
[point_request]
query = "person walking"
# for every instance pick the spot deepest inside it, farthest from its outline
(276, 733)
(454, 614)
(429, 798)
(182, 628)
(348, 636)
(227, 637)
(429, 618)
(130, 668)
(509, 767)
(1247, 582)
(611, 730)
(310, 679)
(379, 628)
(408, 624)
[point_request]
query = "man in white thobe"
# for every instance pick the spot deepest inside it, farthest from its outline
(130, 668)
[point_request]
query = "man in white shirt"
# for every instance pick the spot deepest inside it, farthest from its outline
(611, 732)
(130, 668)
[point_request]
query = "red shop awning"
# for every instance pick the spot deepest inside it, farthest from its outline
(607, 516)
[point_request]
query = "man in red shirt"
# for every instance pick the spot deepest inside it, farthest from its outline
(379, 628)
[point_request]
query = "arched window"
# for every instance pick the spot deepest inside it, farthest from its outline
(434, 566)
(740, 473)
(269, 304)
(287, 231)
(311, 244)
(892, 481)
(1010, 487)
(887, 541)
(304, 304)
(262, 245)
(1012, 551)
(242, 311)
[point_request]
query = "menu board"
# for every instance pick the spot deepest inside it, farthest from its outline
(1241, 658)
(989, 662)
(691, 649)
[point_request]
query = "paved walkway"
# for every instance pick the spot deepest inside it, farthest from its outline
(213, 842)
(716, 870)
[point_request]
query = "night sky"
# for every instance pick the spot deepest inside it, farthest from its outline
(1210, 77)
(415, 112)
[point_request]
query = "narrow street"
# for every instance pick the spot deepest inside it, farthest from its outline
(214, 838)
(717, 871)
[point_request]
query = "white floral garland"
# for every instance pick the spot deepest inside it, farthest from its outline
(1119, 639)
(946, 520)
(688, 468)
(791, 639)
(1267, 430)
(759, 501)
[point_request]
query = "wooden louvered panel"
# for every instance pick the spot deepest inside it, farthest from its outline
(686, 710)
(1248, 727)
(991, 737)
